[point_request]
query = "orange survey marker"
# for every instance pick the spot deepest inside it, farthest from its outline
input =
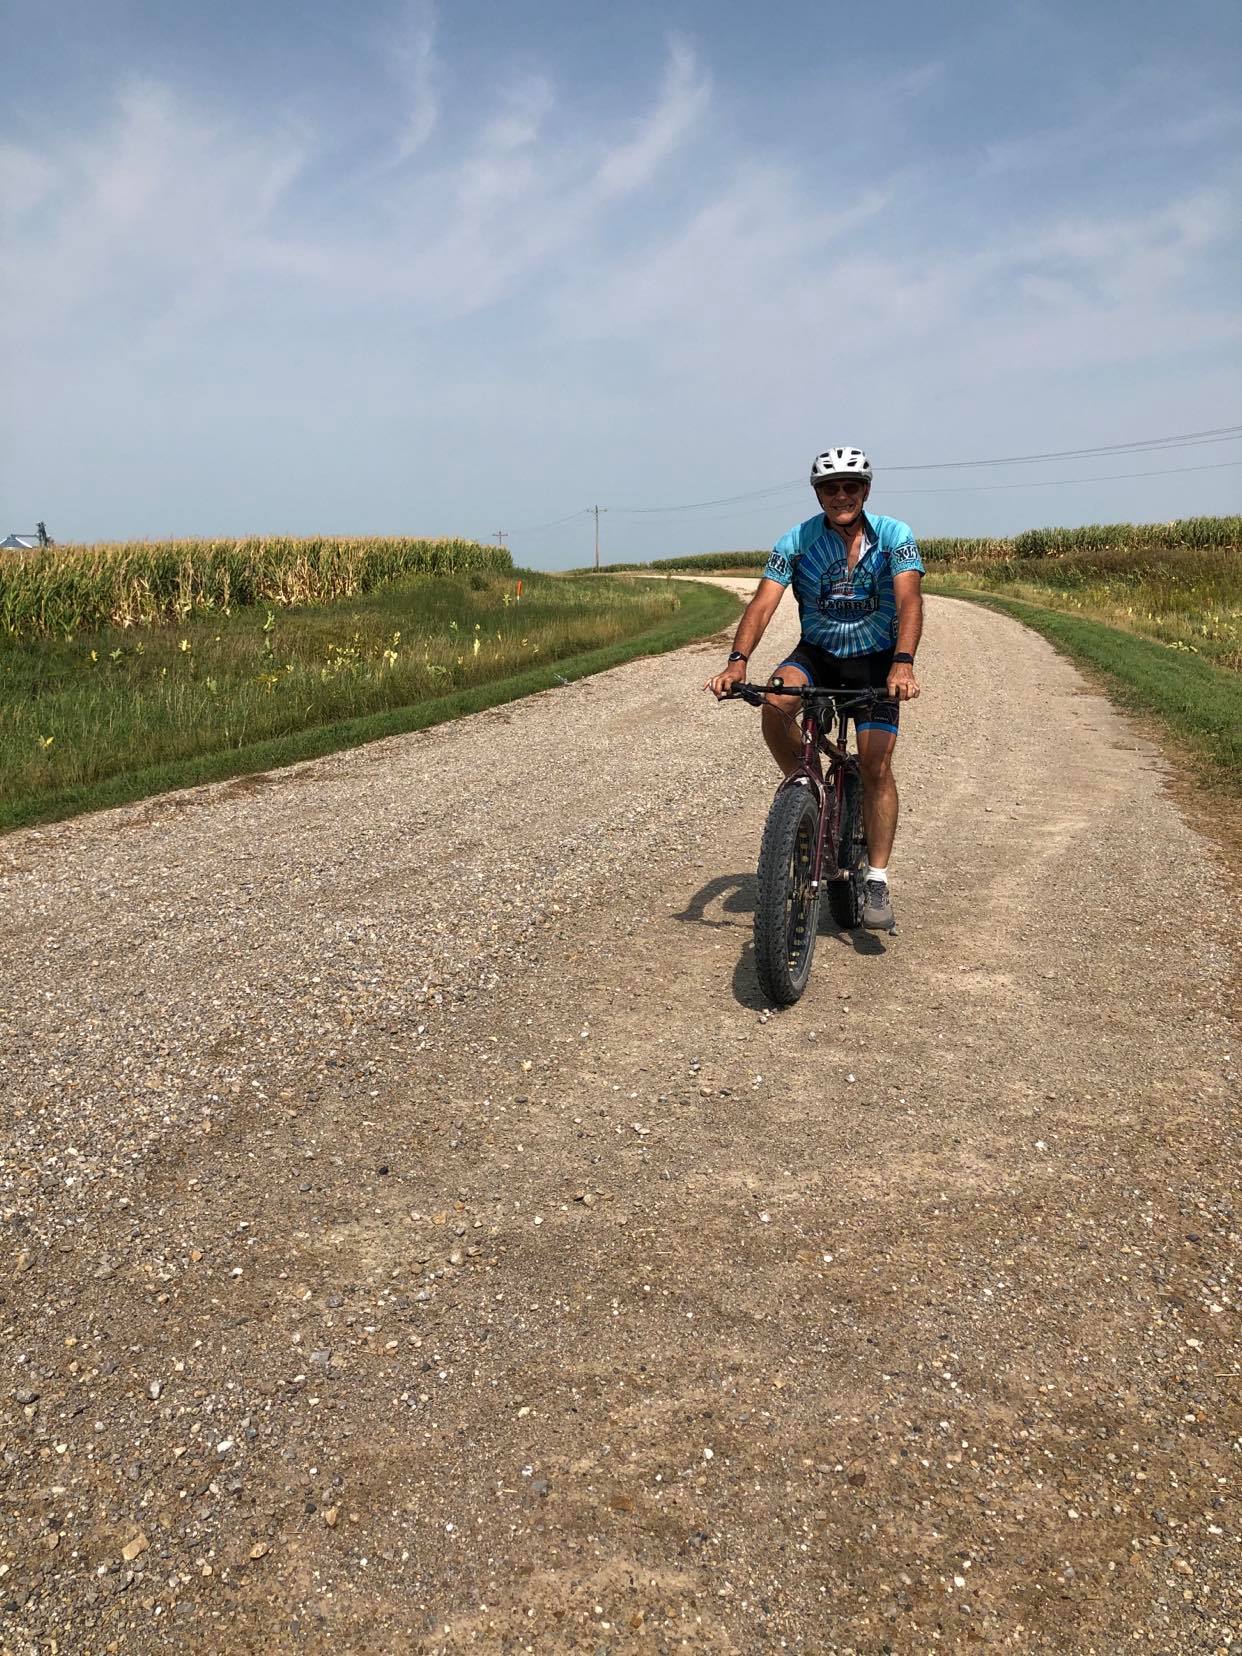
(519, 591)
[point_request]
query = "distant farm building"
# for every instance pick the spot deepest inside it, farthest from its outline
(18, 543)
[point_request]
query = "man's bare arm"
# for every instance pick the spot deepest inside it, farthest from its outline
(757, 614)
(750, 629)
(908, 594)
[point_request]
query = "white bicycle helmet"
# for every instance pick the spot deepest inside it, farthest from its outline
(841, 462)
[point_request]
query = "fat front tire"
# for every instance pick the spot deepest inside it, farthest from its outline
(846, 897)
(787, 910)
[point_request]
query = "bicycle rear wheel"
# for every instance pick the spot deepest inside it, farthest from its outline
(787, 909)
(846, 897)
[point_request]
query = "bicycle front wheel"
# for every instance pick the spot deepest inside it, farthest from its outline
(787, 909)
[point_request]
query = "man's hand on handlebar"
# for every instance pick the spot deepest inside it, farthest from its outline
(902, 684)
(722, 684)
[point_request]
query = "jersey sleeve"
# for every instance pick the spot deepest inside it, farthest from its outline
(780, 565)
(904, 559)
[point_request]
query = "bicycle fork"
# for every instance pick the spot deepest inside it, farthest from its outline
(827, 796)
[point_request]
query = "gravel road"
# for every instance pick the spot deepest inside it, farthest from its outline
(419, 1236)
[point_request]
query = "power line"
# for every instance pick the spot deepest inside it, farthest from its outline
(1193, 439)
(530, 528)
(725, 500)
(975, 488)
(1063, 482)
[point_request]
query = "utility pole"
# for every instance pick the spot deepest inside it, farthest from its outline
(500, 537)
(597, 510)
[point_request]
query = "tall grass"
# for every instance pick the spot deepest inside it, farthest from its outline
(58, 590)
(1184, 598)
(77, 711)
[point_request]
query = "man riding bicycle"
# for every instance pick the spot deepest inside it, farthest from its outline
(857, 579)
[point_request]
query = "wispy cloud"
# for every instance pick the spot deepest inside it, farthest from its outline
(126, 219)
(683, 100)
(414, 64)
(910, 83)
(740, 262)
(1145, 113)
(167, 196)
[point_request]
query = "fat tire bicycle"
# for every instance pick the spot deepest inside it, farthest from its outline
(813, 840)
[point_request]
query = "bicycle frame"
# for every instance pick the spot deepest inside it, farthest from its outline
(829, 790)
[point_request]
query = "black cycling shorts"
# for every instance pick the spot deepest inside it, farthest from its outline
(859, 672)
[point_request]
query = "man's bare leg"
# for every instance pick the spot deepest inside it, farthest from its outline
(781, 730)
(875, 759)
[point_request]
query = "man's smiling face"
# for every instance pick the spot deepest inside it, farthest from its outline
(841, 499)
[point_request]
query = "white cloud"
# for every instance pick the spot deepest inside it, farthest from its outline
(524, 106)
(415, 65)
(744, 257)
(1146, 113)
(160, 202)
(911, 82)
(684, 99)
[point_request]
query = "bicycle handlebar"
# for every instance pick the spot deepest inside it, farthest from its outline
(808, 694)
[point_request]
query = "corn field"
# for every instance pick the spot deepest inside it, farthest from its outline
(1184, 534)
(61, 590)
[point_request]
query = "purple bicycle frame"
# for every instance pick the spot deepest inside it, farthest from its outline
(828, 791)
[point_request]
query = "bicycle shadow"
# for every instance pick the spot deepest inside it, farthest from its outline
(736, 895)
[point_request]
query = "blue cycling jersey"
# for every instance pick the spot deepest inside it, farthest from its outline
(845, 611)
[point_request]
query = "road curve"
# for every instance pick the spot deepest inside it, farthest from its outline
(420, 1237)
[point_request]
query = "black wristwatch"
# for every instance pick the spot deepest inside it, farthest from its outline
(903, 655)
(736, 655)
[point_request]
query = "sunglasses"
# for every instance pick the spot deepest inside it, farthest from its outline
(851, 486)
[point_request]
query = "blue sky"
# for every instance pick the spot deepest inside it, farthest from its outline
(298, 267)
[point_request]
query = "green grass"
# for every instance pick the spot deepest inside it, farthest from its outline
(1187, 599)
(108, 718)
(1197, 703)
